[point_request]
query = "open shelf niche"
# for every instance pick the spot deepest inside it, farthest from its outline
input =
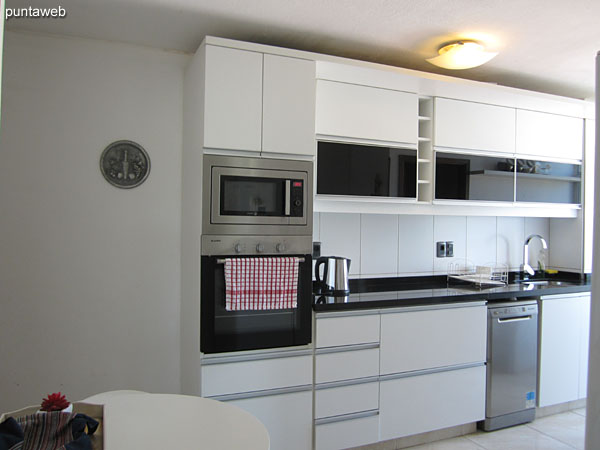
(425, 151)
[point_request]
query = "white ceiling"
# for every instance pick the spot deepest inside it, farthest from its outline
(544, 45)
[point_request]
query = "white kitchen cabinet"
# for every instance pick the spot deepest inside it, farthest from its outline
(288, 105)
(255, 375)
(346, 365)
(259, 103)
(417, 404)
(549, 135)
(347, 330)
(584, 346)
(348, 399)
(417, 340)
(564, 335)
(233, 99)
(347, 433)
(366, 113)
(287, 417)
(473, 126)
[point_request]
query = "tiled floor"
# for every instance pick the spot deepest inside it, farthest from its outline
(565, 431)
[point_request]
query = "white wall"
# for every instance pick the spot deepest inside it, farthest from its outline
(89, 274)
(402, 245)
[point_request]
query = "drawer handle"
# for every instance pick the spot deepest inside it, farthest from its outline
(345, 417)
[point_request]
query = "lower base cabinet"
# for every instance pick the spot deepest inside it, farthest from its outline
(347, 433)
(287, 417)
(421, 403)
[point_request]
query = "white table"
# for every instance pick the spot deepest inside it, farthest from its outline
(134, 419)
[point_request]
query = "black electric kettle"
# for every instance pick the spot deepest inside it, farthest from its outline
(335, 275)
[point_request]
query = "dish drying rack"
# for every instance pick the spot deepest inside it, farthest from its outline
(488, 275)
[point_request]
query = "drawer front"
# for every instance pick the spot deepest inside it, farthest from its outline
(430, 402)
(247, 376)
(337, 331)
(347, 365)
(428, 339)
(346, 399)
(346, 434)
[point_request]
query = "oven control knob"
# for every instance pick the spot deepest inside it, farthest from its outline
(260, 248)
(238, 248)
(280, 247)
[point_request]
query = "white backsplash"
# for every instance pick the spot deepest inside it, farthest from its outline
(385, 245)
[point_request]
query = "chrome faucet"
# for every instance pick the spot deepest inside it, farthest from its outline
(526, 267)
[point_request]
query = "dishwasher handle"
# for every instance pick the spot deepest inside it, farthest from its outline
(514, 319)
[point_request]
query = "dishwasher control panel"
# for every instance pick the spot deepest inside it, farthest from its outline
(513, 310)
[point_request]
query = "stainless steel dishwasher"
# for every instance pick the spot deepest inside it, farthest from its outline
(511, 364)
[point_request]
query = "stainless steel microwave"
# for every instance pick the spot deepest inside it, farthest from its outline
(256, 196)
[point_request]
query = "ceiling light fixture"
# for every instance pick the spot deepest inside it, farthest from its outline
(461, 55)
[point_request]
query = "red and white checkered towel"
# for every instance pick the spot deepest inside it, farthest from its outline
(261, 283)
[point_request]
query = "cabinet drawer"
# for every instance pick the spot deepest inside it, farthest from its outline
(429, 402)
(427, 339)
(247, 376)
(336, 331)
(347, 365)
(346, 399)
(348, 433)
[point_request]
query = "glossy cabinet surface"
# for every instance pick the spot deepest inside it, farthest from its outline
(408, 343)
(564, 340)
(233, 99)
(366, 113)
(288, 105)
(287, 417)
(422, 403)
(549, 135)
(473, 126)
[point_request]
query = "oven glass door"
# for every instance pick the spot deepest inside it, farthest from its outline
(231, 331)
(258, 196)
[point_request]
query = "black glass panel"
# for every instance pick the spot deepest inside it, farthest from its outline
(548, 182)
(252, 196)
(469, 177)
(351, 169)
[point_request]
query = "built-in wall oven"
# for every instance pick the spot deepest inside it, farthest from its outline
(254, 209)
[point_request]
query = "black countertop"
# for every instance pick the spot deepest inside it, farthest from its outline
(419, 291)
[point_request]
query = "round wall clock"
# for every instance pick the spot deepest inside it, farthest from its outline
(125, 164)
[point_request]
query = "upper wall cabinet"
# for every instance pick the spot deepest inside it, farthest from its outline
(289, 105)
(260, 103)
(366, 113)
(549, 135)
(233, 99)
(473, 126)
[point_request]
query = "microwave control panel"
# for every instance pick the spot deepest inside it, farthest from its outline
(297, 198)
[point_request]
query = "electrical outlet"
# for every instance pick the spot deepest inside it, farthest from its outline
(441, 249)
(449, 249)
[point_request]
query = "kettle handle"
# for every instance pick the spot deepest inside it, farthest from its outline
(319, 262)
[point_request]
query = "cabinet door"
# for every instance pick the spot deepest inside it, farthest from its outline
(559, 350)
(287, 417)
(473, 126)
(361, 112)
(584, 347)
(424, 403)
(233, 99)
(436, 338)
(549, 135)
(288, 105)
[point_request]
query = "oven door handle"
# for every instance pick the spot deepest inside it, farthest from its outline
(288, 195)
